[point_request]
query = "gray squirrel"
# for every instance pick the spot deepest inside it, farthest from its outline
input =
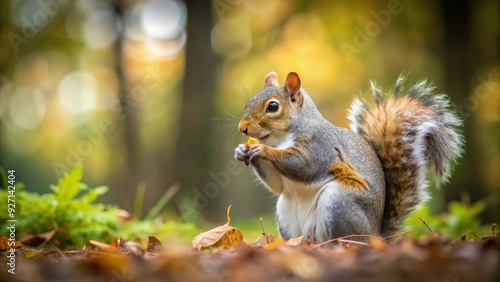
(334, 182)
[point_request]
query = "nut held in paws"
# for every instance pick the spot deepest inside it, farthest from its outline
(251, 141)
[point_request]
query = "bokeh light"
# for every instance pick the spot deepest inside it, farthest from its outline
(232, 38)
(65, 76)
(167, 48)
(27, 108)
(99, 29)
(78, 92)
(133, 28)
(163, 19)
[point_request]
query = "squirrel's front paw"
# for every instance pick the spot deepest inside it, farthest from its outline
(241, 153)
(258, 150)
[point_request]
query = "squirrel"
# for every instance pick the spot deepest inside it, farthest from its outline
(334, 182)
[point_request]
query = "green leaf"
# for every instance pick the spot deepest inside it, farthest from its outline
(93, 194)
(68, 186)
(162, 201)
(457, 221)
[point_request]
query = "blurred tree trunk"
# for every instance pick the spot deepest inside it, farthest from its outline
(193, 154)
(460, 65)
(128, 114)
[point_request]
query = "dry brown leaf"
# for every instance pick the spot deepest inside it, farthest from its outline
(6, 243)
(154, 245)
(269, 237)
(116, 264)
(309, 241)
(225, 235)
(134, 248)
(213, 236)
(278, 242)
(35, 240)
(103, 246)
(295, 241)
(120, 244)
(378, 243)
(30, 253)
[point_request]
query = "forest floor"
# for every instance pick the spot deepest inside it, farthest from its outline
(45, 250)
(429, 258)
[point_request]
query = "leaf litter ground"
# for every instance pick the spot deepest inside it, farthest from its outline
(428, 259)
(221, 254)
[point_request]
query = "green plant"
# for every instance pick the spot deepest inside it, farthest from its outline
(70, 210)
(161, 226)
(459, 220)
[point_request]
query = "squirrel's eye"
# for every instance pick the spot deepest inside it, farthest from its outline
(272, 107)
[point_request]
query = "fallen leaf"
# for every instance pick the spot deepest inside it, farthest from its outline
(30, 253)
(226, 236)
(115, 264)
(34, 241)
(309, 240)
(134, 248)
(6, 243)
(120, 244)
(295, 241)
(103, 246)
(154, 245)
(278, 242)
(378, 243)
(269, 237)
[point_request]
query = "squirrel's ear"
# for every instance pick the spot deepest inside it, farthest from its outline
(271, 80)
(292, 87)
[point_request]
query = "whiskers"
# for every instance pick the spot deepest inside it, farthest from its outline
(231, 115)
(226, 129)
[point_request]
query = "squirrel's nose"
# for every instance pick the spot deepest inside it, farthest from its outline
(243, 128)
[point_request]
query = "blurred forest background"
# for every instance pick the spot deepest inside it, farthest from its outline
(148, 93)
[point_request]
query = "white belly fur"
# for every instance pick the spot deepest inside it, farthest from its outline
(296, 207)
(297, 211)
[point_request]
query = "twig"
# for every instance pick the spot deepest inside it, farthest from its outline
(264, 231)
(353, 242)
(396, 235)
(426, 225)
(345, 237)
(262, 226)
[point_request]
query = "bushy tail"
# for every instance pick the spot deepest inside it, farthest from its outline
(410, 131)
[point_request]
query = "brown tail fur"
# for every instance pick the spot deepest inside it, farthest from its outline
(410, 132)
